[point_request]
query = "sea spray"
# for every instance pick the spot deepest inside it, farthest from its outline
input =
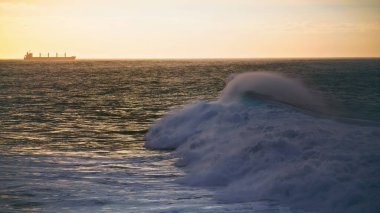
(270, 86)
(268, 150)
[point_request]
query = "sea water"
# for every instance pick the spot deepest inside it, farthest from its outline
(190, 136)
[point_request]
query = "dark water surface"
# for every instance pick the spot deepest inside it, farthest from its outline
(72, 133)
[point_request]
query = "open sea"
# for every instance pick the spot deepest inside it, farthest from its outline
(170, 136)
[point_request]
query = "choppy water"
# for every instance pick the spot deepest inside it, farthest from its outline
(72, 134)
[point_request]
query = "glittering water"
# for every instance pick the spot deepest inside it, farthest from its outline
(72, 133)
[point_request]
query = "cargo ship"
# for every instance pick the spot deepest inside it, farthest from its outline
(29, 57)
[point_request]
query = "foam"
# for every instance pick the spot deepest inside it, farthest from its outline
(264, 150)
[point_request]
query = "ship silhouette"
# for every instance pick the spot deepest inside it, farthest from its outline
(29, 57)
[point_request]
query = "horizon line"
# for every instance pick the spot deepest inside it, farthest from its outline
(217, 58)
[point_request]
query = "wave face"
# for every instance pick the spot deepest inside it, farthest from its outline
(257, 149)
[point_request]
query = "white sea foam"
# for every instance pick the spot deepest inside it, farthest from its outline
(264, 150)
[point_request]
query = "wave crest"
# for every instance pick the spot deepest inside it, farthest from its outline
(270, 86)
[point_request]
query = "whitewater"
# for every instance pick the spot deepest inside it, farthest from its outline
(269, 138)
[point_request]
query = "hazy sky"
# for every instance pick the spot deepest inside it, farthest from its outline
(190, 28)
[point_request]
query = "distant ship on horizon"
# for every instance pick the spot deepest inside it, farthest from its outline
(29, 57)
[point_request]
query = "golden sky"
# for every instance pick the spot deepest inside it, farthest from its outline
(190, 28)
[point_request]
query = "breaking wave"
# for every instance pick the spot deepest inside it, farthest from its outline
(254, 147)
(270, 86)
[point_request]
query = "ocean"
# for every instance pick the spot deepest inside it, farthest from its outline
(248, 135)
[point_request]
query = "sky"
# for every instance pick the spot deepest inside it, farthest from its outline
(190, 28)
